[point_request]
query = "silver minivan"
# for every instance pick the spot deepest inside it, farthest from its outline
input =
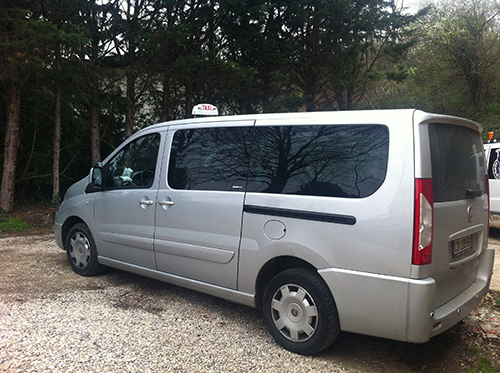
(371, 222)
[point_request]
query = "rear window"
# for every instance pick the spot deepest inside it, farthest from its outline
(458, 167)
(347, 161)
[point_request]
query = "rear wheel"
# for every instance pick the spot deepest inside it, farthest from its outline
(300, 311)
(81, 251)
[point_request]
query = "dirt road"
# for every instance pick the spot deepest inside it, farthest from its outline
(52, 320)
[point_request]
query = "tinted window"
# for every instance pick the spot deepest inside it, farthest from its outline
(134, 166)
(458, 168)
(335, 161)
(209, 159)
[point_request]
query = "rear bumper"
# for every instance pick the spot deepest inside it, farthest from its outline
(459, 308)
(401, 308)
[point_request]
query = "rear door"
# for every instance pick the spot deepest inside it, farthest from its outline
(460, 206)
(198, 220)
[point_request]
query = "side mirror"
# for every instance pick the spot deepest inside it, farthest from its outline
(96, 177)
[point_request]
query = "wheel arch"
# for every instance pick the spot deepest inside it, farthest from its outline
(272, 268)
(68, 224)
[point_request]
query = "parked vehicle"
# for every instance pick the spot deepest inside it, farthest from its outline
(492, 151)
(371, 222)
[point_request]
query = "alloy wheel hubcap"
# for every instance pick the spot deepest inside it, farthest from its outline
(80, 250)
(294, 313)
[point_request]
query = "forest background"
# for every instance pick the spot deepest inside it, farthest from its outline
(79, 76)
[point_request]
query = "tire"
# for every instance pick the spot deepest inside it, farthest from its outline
(300, 311)
(81, 251)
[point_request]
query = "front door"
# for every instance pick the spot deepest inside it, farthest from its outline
(125, 209)
(200, 203)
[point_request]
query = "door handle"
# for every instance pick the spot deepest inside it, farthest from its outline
(145, 202)
(166, 203)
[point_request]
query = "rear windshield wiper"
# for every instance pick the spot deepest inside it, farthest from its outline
(473, 193)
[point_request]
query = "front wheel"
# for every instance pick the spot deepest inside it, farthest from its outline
(300, 311)
(81, 251)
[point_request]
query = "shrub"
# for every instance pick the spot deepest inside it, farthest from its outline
(13, 224)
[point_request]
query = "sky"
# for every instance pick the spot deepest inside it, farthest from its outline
(412, 5)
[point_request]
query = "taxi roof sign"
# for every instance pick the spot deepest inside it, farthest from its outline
(205, 110)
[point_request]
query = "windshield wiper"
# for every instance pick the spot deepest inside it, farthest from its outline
(473, 193)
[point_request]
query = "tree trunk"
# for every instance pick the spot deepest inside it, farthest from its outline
(57, 144)
(165, 104)
(130, 111)
(243, 107)
(10, 147)
(310, 96)
(95, 135)
(189, 100)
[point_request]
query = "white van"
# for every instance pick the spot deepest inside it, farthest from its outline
(492, 151)
(371, 222)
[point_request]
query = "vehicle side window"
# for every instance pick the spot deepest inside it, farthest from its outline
(209, 159)
(134, 166)
(336, 161)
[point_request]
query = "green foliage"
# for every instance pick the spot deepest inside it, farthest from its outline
(484, 364)
(13, 224)
(453, 67)
(243, 56)
(493, 108)
(25, 40)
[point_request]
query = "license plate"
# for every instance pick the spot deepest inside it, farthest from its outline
(461, 247)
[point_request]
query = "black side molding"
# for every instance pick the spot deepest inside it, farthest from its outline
(297, 214)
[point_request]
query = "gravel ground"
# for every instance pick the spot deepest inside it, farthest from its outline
(52, 320)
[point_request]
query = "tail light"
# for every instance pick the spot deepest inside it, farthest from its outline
(422, 236)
